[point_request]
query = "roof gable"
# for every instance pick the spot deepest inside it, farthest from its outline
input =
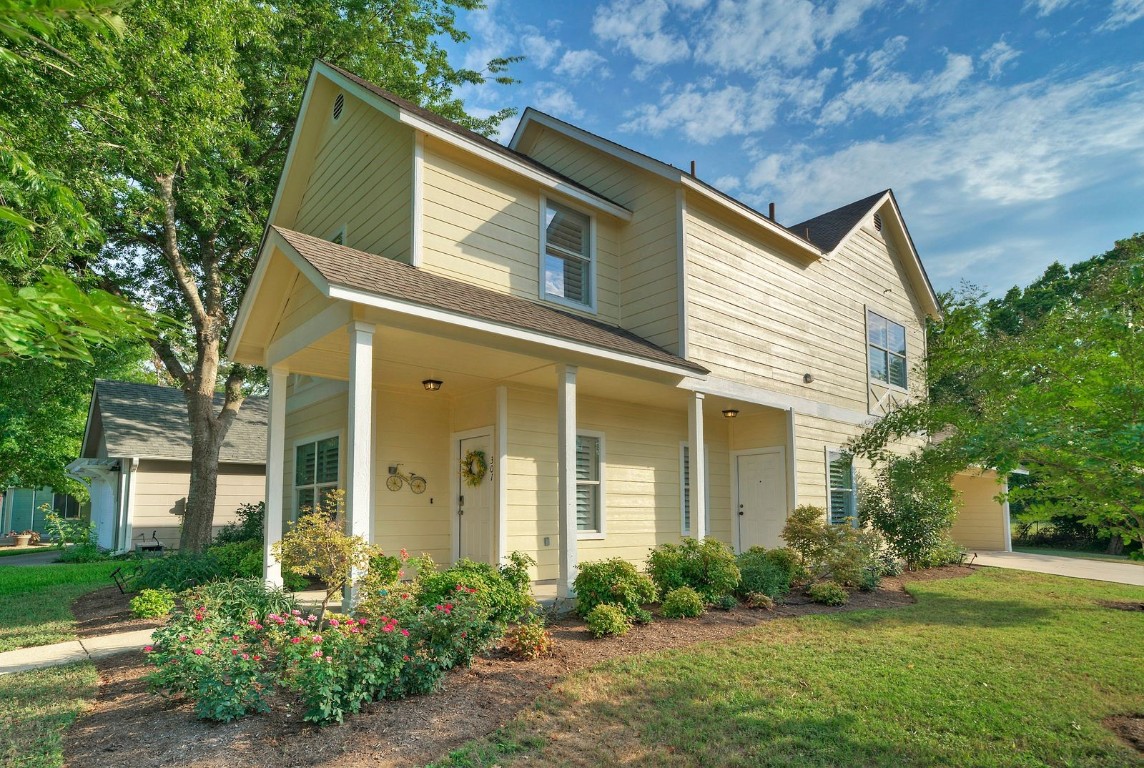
(150, 422)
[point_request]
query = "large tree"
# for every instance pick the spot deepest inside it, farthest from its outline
(177, 150)
(1051, 378)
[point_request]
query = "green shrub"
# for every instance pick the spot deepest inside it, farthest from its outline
(614, 582)
(726, 603)
(152, 603)
(452, 632)
(82, 553)
(787, 559)
(759, 600)
(238, 559)
(505, 592)
(841, 553)
(706, 566)
(945, 552)
(889, 564)
(69, 532)
(682, 603)
(176, 571)
(762, 573)
(248, 526)
(529, 639)
(828, 593)
(241, 600)
(913, 505)
(607, 619)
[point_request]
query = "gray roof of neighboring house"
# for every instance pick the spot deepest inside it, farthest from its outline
(378, 275)
(148, 421)
(828, 229)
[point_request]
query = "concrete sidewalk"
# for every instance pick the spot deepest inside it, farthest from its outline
(24, 659)
(1076, 567)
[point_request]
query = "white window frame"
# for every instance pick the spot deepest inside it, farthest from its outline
(685, 489)
(868, 346)
(593, 257)
(294, 466)
(601, 533)
(832, 454)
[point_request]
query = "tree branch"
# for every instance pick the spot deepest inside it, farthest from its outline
(183, 278)
(166, 353)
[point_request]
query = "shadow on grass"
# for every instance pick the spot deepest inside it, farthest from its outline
(962, 610)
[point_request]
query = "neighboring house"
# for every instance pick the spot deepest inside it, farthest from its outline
(136, 460)
(638, 356)
(21, 509)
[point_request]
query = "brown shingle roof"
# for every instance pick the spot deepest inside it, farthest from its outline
(359, 270)
(150, 422)
(449, 125)
(828, 229)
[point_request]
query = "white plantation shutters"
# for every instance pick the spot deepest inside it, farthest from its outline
(315, 473)
(567, 255)
(843, 498)
(685, 489)
(886, 346)
(587, 483)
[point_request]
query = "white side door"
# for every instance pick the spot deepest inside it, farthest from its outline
(475, 505)
(761, 497)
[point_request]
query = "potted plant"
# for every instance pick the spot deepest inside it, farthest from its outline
(24, 538)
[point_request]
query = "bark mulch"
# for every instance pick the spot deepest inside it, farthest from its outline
(104, 612)
(129, 725)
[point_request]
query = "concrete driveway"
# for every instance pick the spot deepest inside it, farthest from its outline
(1076, 567)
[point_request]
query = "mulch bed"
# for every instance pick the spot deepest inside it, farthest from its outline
(1130, 728)
(106, 611)
(128, 725)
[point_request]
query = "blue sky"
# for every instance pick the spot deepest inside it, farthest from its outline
(1012, 133)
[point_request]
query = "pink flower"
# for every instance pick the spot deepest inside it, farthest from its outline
(257, 657)
(316, 654)
(404, 554)
(234, 638)
(387, 628)
(316, 638)
(233, 651)
(246, 657)
(270, 617)
(198, 651)
(405, 632)
(198, 617)
(333, 622)
(405, 657)
(295, 640)
(295, 612)
(148, 649)
(363, 622)
(311, 617)
(182, 638)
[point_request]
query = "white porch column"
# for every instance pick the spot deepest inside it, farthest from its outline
(275, 478)
(359, 436)
(698, 451)
(566, 471)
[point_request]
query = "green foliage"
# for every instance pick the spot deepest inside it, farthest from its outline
(682, 603)
(248, 526)
(726, 603)
(529, 639)
(452, 633)
(83, 553)
(607, 619)
(768, 572)
(614, 582)
(828, 593)
(842, 553)
(706, 566)
(912, 505)
(945, 552)
(152, 603)
(759, 600)
(175, 571)
(317, 545)
(68, 532)
(505, 592)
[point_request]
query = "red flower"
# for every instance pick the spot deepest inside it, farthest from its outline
(198, 651)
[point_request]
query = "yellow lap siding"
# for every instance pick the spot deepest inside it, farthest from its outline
(980, 522)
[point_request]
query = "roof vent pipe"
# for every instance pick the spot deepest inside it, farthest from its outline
(772, 212)
(693, 169)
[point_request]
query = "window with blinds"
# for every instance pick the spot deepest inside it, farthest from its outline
(886, 350)
(685, 490)
(567, 255)
(588, 461)
(315, 473)
(843, 497)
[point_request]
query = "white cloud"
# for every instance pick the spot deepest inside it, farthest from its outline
(1045, 7)
(704, 116)
(749, 35)
(1124, 12)
(540, 51)
(577, 64)
(556, 100)
(997, 56)
(638, 27)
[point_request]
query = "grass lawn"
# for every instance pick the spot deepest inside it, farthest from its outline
(36, 709)
(1078, 553)
(13, 551)
(35, 601)
(1002, 668)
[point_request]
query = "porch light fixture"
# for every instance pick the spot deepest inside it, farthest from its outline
(808, 378)
(730, 413)
(431, 385)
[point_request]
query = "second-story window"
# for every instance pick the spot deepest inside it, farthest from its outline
(567, 255)
(886, 350)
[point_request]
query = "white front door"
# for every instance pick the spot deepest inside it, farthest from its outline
(475, 504)
(103, 508)
(761, 497)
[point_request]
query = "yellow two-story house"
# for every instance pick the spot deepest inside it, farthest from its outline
(562, 347)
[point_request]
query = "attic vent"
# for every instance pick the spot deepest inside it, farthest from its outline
(339, 105)
(878, 221)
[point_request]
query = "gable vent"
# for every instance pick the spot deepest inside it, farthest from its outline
(878, 221)
(339, 105)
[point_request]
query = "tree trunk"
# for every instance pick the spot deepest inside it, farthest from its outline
(1115, 545)
(206, 442)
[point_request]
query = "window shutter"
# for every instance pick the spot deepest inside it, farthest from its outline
(685, 489)
(306, 460)
(327, 461)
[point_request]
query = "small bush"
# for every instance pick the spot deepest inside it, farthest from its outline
(682, 603)
(241, 600)
(529, 639)
(248, 526)
(706, 566)
(614, 582)
(759, 600)
(841, 553)
(945, 552)
(176, 571)
(828, 593)
(889, 564)
(69, 532)
(82, 553)
(607, 619)
(505, 592)
(762, 573)
(152, 603)
(913, 505)
(238, 559)
(726, 603)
